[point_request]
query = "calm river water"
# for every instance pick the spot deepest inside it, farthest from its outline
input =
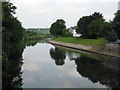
(47, 66)
(38, 64)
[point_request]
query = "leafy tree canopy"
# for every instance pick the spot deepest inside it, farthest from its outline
(100, 28)
(94, 26)
(12, 28)
(82, 25)
(57, 27)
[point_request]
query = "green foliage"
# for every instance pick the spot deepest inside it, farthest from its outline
(32, 35)
(66, 33)
(12, 29)
(12, 47)
(82, 25)
(116, 22)
(94, 26)
(100, 28)
(40, 30)
(57, 27)
(111, 36)
(107, 31)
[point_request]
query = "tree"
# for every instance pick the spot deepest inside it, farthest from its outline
(97, 15)
(100, 28)
(116, 22)
(66, 33)
(111, 36)
(108, 32)
(94, 28)
(82, 25)
(12, 47)
(57, 27)
(12, 28)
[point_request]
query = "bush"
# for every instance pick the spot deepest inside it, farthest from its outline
(66, 33)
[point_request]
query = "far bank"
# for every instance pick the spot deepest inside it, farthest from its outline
(107, 49)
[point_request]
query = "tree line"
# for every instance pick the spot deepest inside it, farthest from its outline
(91, 27)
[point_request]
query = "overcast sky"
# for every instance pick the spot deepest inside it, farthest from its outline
(42, 13)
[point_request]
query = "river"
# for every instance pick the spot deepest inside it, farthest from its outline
(44, 65)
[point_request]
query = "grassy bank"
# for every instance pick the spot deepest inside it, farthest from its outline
(90, 42)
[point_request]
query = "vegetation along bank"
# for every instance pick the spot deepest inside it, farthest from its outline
(86, 48)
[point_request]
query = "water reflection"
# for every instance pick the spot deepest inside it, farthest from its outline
(101, 70)
(58, 55)
(41, 71)
(96, 71)
(12, 63)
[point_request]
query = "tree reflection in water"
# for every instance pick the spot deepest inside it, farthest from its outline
(12, 63)
(100, 70)
(58, 55)
(97, 71)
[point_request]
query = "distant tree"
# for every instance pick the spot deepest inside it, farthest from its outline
(116, 22)
(57, 27)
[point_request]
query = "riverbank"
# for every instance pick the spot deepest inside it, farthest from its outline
(85, 48)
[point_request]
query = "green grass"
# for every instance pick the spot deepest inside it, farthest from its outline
(90, 42)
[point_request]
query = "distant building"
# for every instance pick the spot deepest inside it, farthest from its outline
(73, 31)
(119, 5)
(75, 34)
